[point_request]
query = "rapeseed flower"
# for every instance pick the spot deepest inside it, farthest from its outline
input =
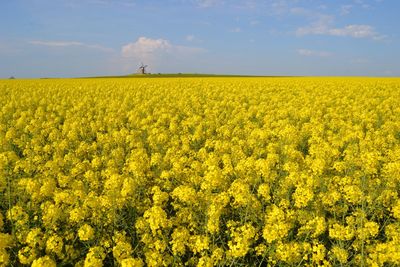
(206, 172)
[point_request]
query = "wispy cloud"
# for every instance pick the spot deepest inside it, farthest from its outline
(279, 7)
(208, 3)
(321, 25)
(363, 3)
(126, 3)
(69, 44)
(190, 37)
(324, 26)
(236, 30)
(356, 31)
(345, 9)
(254, 22)
(56, 43)
(301, 11)
(313, 53)
(360, 61)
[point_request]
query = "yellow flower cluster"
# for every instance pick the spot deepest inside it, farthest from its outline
(200, 172)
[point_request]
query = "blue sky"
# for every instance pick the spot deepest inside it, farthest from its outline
(69, 38)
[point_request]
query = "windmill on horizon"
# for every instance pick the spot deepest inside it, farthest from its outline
(142, 69)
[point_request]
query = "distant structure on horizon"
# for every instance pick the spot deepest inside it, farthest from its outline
(142, 69)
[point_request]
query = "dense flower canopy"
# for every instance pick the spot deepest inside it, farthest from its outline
(200, 171)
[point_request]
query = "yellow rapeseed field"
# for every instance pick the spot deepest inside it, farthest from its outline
(200, 172)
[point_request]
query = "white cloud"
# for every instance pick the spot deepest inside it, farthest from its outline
(158, 52)
(69, 44)
(145, 47)
(313, 53)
